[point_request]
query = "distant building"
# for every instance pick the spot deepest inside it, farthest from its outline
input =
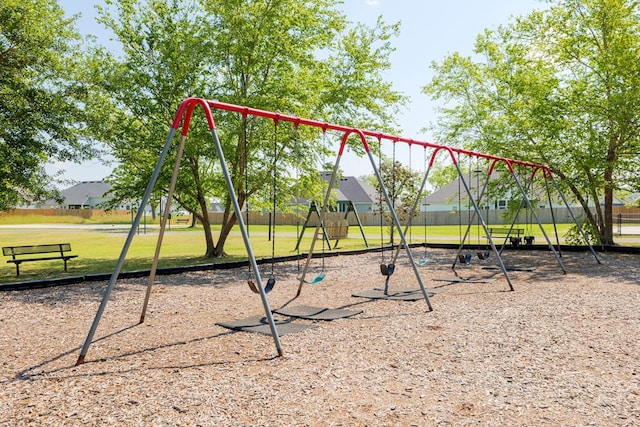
(449, 196)
(87, 195)
(216, 206)
(83, 195)
(352, 189)
(94, 195)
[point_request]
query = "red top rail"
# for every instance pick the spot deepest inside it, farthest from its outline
(189, 104)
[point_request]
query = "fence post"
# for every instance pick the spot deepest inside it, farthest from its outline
(619, 224)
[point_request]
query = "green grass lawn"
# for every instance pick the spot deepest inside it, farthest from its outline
(98, 249)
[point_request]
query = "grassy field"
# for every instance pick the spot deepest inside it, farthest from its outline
(99, 246)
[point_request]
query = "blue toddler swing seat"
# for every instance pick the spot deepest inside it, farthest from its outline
(319, 278)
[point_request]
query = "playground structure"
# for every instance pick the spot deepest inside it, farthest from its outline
(511, 234)
(182, 121)
(335, 228)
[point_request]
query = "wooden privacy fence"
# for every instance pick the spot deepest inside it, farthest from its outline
(493, 216)
(498, 217)
(627, 221)
(626, 210)
(432, 218)
(82, 213)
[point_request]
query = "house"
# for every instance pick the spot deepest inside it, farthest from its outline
(216, 206)
(453, 196)
(83, 195)
(87, 195)
(446, 198)
(350, 189)
(93, 194)
(453, 199)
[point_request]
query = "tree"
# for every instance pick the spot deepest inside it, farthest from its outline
(402, 185)
(135, 96)
(40, 100)
(296, 57)
(561, 87)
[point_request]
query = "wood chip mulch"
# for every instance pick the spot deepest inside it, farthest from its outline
(559, 350)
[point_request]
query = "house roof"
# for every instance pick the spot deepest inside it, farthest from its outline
(448, 194)
(348, 188)
(83, 191)
(352, 188)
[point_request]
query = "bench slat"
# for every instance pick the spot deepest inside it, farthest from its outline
(19, 260)
(36, 249)
(504, 231)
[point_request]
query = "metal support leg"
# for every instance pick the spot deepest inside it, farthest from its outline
(125, 248)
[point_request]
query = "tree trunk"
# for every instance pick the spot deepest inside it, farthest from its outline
(201, 200)
(206, 225)
(392, 230)
(224, 233)
(154, 208)
(596, 220)
(606, 233)
(239, 171)
(208, 236)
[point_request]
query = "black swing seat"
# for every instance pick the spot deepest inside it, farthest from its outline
(484, 255)
(268, 287)
(465, 258)
(387, 269)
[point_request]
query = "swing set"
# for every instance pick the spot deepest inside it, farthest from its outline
(182, 122)
(387, 269)
(334, 229)
(271, 281)
(511, 234)
(321, 276)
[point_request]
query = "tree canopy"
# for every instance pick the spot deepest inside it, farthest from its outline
(41, 117)
(296, 57)
(560, 86)
(402, 185)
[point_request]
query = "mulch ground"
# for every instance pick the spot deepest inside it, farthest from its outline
(561, 349)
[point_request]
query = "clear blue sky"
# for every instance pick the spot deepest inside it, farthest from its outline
(431, 29)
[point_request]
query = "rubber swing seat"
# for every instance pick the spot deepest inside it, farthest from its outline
(465, 259)
(319, 278)
(268, 287)
(387, 269)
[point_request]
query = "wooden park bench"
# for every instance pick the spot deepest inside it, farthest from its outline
(183, 220)
(20, 254)
(514, 234)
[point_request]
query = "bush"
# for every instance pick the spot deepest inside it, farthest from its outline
(574, 237)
